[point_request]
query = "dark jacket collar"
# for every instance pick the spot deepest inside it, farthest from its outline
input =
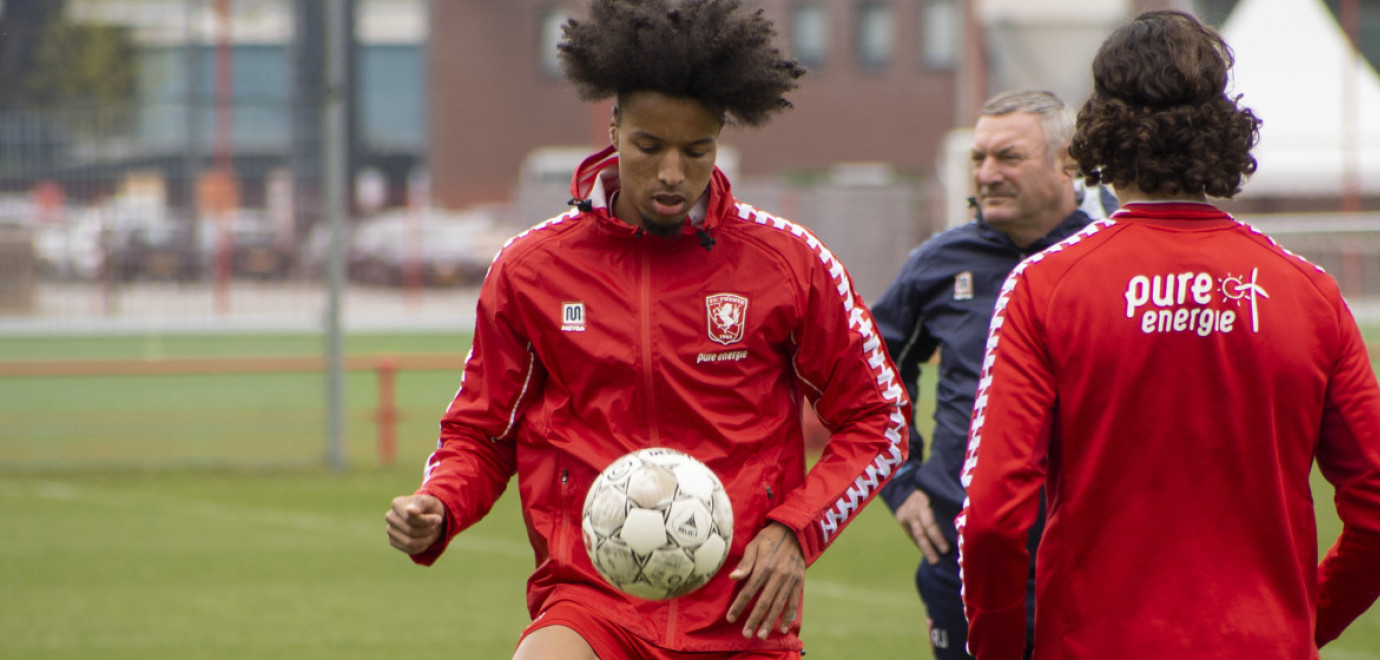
(1070, 225)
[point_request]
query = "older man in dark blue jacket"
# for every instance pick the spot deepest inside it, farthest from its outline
(943, 298)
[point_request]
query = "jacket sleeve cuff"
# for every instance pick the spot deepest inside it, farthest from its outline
(1348, 583)
(811, 544)
(430, 555)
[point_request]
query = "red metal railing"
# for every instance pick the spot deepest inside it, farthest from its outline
(385, 367)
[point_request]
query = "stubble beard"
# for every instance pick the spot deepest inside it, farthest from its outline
(665, 231)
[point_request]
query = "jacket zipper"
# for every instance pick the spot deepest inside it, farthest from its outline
(562, 554)
(648, 375)
(648, 386)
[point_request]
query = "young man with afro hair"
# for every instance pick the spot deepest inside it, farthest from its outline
(662, 312)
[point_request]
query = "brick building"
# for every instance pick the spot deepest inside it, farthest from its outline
(880, 88)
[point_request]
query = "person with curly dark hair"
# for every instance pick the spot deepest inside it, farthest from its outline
(1159, 123)
(663, 312)
(1169, 376)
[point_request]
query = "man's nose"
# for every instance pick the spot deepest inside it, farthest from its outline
(671, 169)
(986, 171)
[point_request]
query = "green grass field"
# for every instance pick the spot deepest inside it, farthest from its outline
(111, 559)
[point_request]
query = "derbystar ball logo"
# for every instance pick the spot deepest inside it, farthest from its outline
(727, 315)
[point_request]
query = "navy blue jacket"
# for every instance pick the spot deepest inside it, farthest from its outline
(943, 298)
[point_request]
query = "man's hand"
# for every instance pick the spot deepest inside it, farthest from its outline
(415, 522)
(917, 519)
(774, 568)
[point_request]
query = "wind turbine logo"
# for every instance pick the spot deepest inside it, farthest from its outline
(1236, 288)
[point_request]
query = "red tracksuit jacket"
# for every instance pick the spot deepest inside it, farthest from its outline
(1170, 376)
(594, 339)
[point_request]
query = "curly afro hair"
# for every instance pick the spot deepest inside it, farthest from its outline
(709, 50)
(1159, 117)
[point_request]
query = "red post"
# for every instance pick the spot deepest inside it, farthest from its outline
(1352, 277)
(387, 413)
(224, 109)
(1351, 154)
(973, 71)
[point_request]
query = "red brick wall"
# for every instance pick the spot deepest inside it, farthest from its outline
(491, 104)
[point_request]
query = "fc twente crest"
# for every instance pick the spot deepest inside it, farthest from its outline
(727, 315)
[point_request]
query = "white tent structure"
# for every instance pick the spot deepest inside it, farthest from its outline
(1296, 70)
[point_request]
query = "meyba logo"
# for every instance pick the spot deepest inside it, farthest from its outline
(1179, 302)
(573, 316)
(727, 314)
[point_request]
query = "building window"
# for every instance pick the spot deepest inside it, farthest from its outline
(552, 21)
(810, 33)
(941, 33)
(876, 34)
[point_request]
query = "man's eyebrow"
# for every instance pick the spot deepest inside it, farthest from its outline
(658, 138)
(1009, 150)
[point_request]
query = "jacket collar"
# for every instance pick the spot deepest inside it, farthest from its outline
(1070, 225)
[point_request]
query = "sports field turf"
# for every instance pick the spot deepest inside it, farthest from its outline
(193, 562)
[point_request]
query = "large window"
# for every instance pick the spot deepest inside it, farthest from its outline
(810, 33)
(876, 34)
(941, 33)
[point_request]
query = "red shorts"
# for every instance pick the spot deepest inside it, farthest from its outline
(611, 641)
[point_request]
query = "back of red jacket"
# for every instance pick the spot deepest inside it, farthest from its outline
(1170, 376)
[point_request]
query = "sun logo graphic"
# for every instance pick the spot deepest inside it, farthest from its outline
(1238, 288)
(727, 313)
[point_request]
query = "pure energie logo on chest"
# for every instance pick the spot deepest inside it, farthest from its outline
(1194, 302)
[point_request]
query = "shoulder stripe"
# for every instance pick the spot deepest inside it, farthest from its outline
(1275, 244)
(994, 338)
(860, 321)
(545, 224)
(989, 359)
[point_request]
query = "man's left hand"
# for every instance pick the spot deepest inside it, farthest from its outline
(774, 569)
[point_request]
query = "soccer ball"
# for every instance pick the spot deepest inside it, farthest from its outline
(657, 524)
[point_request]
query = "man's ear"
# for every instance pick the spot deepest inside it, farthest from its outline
(1067, 165)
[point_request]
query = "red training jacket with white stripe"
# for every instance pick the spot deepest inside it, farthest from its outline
(594, 339)
(1170, 375)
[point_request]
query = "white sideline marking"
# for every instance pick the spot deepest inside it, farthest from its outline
(304, 522)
